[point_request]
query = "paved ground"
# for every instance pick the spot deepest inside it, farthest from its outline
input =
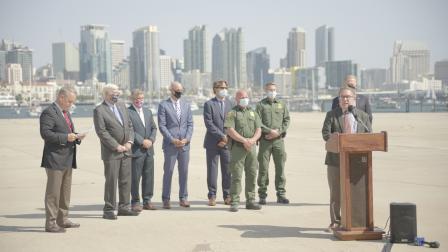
(414, 170)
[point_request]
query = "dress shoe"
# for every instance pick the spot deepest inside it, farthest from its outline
(136, 208)
(69, 224)
(127, 212)
(184, 203)
(333, 226)
(227, 200)
(166, 204)
(252, 206)
(234, 208)
(262, 201)
(55, 229)
(149, 206)
(212, 202)
(282, 200)
(109, 216)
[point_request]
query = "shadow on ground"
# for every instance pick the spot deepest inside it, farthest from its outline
(268, 231)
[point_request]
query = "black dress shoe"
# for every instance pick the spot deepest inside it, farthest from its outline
(109, 216)
(262, 201)
(127, 212)
(252, 206)
(282, 200)
(55, 229)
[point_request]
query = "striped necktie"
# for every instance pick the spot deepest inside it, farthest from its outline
(177, 104)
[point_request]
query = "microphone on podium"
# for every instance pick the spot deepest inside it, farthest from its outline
(351, 109)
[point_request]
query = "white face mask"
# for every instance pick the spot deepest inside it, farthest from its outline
(244, 102)
(271, 94)
(222, 93)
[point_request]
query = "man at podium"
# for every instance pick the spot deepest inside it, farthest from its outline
(343, 119)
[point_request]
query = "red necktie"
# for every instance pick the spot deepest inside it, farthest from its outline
(67, 120)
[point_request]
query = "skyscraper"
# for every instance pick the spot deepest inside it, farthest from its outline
(324, 45)
(195, 50)
(373, 78)
(120, 75)
(410, 61)
(166, 71)
(295, 55)
(337, 71)
(65, 61)
(229, 58)
(95, 54)
(441, 72)
(13, 73)
(257, 67)
(145, 60)
(24, 57)
(117, 49)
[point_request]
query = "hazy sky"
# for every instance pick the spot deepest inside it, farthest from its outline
(365, 30)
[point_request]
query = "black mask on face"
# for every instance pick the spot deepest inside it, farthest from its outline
(114, 98)
(177, 94)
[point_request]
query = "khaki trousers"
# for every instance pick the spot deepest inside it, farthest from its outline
(57, 196)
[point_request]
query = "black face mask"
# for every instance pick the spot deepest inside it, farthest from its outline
(114, 98)
(177, 94)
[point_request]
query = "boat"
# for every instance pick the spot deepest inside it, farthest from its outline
(7, 100)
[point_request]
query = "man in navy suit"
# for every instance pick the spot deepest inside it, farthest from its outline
(215, 142)
(176, 125)
(145, 131)
(362, 102)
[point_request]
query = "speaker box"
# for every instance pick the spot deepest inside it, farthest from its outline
(403, 222)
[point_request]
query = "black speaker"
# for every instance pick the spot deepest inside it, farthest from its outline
(403, 222)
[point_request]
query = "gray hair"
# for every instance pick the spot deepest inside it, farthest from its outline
(136, 92)
(347, 88)
(107, 89)
(65, 91)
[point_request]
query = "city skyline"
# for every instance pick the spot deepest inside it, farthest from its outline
(360, 31)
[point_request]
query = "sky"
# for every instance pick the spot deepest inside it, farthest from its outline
(365, 31)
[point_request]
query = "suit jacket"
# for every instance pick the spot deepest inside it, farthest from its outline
(362, 103)
(172, 128)
(142, 132)
(334, 122)
(111, 132)
(214, 121)
(58, 152)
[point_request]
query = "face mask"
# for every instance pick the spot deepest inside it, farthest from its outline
(114, 98)
(222, 93)
(177, 94)
(244, 102)
(271, 94)
(138, 103)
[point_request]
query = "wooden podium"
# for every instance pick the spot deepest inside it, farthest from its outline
(355, 152)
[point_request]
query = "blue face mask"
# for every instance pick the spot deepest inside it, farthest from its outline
(244, 102)
(271, 94)
(222, 93)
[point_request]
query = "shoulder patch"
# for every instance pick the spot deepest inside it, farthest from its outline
(280, 106)
(230, 114)
(252, 114)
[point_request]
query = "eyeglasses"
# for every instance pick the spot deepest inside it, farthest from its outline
(221, 87)
(346, 97)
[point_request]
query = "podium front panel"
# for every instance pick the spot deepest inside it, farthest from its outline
(358, 163)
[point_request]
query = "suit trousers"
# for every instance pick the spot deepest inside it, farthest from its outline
(117, 171)
(57, 196)
(183, 158)
(142, 168)
(335, 193)
(213, 157)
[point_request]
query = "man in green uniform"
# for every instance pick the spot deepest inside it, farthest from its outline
(243, 127)
(274, 123)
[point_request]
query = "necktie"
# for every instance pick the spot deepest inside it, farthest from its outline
(347, 123)
(117, 114)
(67, 120)
(222, 106)
(177, 110)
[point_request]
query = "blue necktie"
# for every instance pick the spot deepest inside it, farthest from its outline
(117, 114)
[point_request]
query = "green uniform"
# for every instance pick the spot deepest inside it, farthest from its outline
(274, 115)
(245, 122)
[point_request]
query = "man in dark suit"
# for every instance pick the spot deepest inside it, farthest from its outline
(215, 142)
(362, 102)
(340, 120)
(116, 134)
(145, 131)
(176, 125)
(58, 159)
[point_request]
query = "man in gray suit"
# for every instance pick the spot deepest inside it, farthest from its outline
(116, 134)
(215, 142)
(58, 159)
(362, 102)
(145, 131)
(176, 125)
(341, 120)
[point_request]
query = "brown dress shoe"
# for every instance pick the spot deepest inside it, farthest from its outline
(55, 229)
(166, 204)
(212, 202)
(136, 208)
(227, 200)
(69, 224)
(149, 206)
(184, 203)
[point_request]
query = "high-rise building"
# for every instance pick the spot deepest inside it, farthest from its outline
(229, 58)
(117, 50)
(441, 72)
(3, 65)
(295, 54)
(95, 54)
(373, 78)
(410, 61)
(309, 81)
(14, 73)
(195, 50)
(337, 71)
(24, 57)
(145, 60)
(120, 75)
(65, 61)
(324, 45)
(257, 62)
(166, 71)
(282, 78)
